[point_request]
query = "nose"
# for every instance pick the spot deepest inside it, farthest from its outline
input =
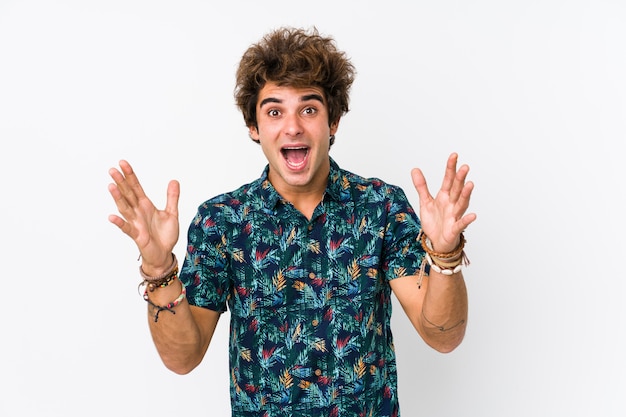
(293, 125)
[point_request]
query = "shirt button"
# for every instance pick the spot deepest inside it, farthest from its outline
(310, 227)
(318, 372)
(311, 275)
(315, 322)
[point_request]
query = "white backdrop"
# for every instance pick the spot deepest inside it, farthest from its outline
(532, 94)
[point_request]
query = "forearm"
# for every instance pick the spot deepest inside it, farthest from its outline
(174, 330)
(443, 316)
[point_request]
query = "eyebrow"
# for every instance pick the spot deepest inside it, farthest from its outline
(306, 97)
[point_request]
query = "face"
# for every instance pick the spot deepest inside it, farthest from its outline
(294, 133)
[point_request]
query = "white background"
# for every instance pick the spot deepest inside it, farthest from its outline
(532, 94)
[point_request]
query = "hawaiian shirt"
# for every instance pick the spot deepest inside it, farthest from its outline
(309, 300)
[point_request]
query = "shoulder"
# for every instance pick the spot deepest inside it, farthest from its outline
(370, 189)
(232, 198)
(229, 207)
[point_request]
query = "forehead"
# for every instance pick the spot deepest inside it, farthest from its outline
(284, 93)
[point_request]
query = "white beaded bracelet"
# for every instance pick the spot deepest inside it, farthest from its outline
(444, 271)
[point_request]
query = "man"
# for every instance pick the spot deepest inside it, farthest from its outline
(305, 257)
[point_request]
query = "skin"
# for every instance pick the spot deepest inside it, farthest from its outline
(295, 118)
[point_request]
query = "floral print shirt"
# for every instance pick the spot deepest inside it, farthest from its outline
(309, 300)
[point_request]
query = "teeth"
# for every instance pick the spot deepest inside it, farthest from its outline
(303, 150)
(298, 148)
(291, 164)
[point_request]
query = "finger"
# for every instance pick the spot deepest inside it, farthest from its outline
(173, 194)
(120, 200)
(461, 205)
(123, 225)
(458, 183)
(465, 195)
(124, 190)
(116, 175)
(127, 213)
(126, 203)
(465, 221)
(117, 220)
(419, 182)
(450, 174)
(130, 186)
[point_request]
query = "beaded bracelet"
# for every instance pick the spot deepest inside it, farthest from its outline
(169, 307)
(152, 285)
(444, 270)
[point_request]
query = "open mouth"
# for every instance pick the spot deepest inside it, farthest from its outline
(295, 156)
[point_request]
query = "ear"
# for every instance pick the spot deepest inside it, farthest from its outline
(334, 126)
(253, 132)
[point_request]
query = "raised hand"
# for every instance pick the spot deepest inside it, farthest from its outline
(443, 217)
(154, 231)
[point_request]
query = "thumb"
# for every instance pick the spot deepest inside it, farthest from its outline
(419, 182)
(173, 194)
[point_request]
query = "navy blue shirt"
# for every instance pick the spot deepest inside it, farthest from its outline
(309, 300)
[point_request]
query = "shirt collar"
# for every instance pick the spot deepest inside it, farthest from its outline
(336, 183)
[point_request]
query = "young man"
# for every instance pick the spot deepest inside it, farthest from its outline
(305, 258)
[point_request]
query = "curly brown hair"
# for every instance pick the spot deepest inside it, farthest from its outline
(296, 58)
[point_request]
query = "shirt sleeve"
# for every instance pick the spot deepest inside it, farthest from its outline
(205, 269)
(402, 253)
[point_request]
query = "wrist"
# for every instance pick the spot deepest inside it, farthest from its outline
(446, 263)
(439, 247)
(454, 253)
(155, 272)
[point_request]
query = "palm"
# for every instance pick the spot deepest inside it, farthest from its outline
(156, 231)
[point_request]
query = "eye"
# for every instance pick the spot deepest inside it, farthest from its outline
(273, 113)
(309, 110)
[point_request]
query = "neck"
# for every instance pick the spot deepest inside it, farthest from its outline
(305, 198)
(307, 206)
(305, 201)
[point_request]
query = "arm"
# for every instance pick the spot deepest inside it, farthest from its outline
(181, 338)
(438, 307)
